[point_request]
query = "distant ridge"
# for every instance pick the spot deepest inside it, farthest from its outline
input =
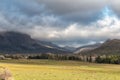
(87, 48)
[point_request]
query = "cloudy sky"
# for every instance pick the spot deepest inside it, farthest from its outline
(65, 22)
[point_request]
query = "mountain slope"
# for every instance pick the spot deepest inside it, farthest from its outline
(68, 48)
(51, 45)
(15, 42)
(87, 48)
(110, 47)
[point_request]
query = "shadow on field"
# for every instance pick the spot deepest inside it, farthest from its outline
(5, 74)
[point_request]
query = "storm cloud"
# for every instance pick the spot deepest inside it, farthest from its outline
(65, 22)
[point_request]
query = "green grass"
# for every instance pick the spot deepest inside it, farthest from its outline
(60, 70)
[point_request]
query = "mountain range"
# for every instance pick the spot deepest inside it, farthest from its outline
(16, 42)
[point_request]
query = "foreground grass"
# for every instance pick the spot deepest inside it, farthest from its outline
(60, 70)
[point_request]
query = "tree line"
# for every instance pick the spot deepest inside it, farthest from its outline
(110, 59)
(55, 57)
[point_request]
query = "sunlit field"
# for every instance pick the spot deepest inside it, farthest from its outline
(60, 70)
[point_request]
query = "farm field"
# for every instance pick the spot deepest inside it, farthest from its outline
(60, 70)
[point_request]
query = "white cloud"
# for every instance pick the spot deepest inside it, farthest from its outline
(105, 28)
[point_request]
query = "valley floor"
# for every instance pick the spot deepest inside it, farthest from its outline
(60, 70)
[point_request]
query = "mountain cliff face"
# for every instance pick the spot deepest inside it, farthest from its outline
(15, 42)
(109, 47)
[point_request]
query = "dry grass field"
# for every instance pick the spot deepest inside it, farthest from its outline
(60, 70)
